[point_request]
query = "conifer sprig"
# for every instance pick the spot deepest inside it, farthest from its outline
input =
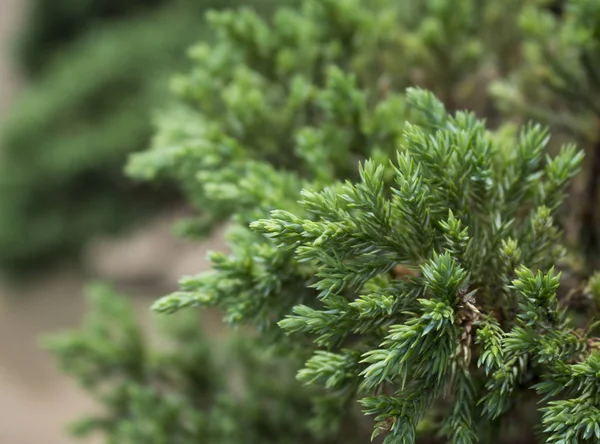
(463, 327)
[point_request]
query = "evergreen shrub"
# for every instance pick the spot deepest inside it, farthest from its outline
(401, 258)
(261, 91)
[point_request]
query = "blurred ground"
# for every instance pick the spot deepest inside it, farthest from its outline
(36, 401)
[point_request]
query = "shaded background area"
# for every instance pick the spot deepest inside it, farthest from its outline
(11, 16)
(37, 401)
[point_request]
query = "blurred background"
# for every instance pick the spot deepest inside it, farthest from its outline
(72, 74)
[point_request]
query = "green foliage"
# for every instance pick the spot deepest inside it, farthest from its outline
(65, 142)
(182, 390)
(558, 83)
(425, 338)
(474, 225)
(68, 136)
(420, 286)
(282, 91)
(52, 25)
(111, 358)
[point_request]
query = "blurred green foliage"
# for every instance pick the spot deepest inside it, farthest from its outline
(67, 137)
(558, 83)
(254, 94)
(182, 390)
(52, 25)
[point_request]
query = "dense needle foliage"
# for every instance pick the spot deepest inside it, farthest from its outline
(265, 91)
(426, 285)
(399, 256)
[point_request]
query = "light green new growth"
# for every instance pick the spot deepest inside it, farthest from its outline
(312, 90)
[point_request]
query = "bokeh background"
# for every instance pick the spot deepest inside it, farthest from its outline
(70, 77)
